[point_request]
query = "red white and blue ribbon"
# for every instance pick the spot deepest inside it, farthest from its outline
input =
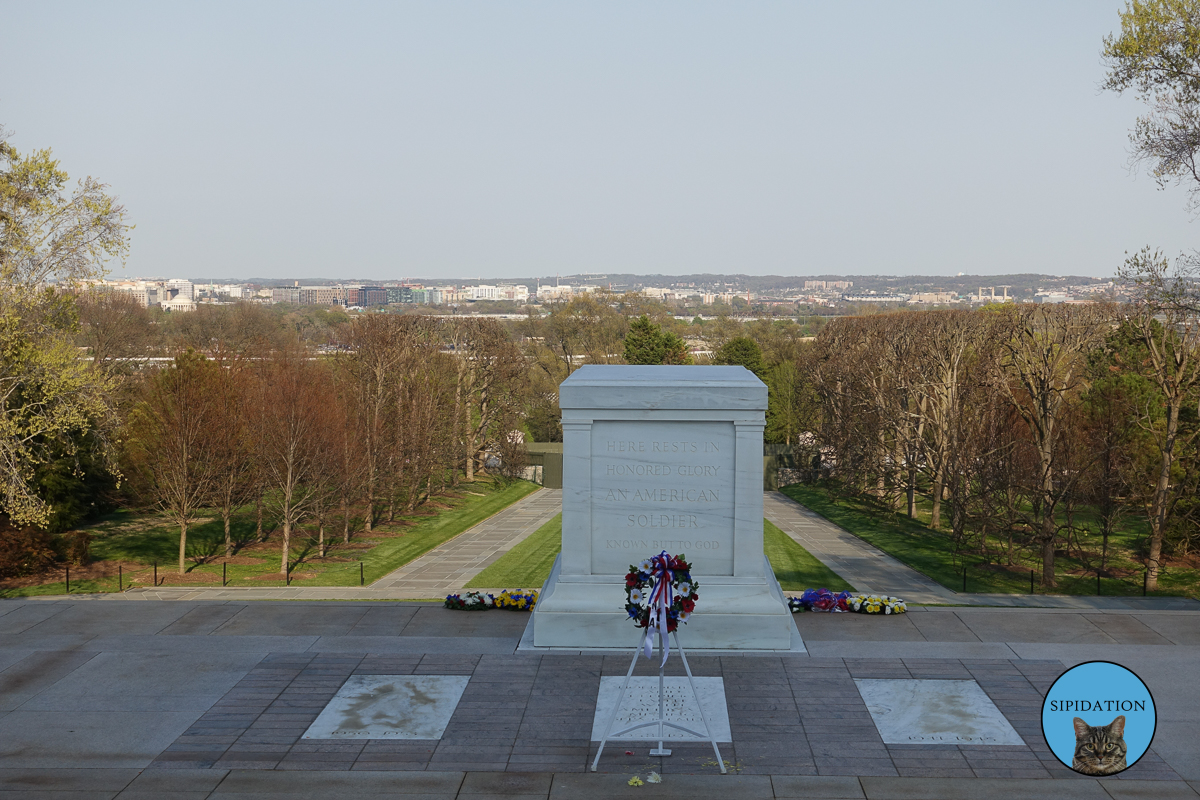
(661, 597)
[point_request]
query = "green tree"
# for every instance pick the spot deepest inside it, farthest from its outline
(648, 343)
(741, 351)
(1157, 55)
(50, 399)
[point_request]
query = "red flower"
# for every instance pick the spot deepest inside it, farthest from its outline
(689, 605)
(630, 582)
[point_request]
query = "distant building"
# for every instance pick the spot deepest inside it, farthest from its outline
(875, 298)
(365, 296)
(562, 292)
(181, 287)
(317, 296)
(287, 294)
(179, 303)
(989, 295)
(146, 294)
(934, 298)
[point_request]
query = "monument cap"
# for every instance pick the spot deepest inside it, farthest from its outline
(662, 387)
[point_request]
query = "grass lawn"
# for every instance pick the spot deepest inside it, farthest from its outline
(929, 551)
(528, 564)
(136, 542)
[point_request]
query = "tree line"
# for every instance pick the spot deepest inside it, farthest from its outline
(405, 407)
(1009, 420)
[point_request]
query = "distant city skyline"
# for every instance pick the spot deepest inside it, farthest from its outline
(477, 141)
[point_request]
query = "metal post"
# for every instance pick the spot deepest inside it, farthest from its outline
(120, 578)
(289, 573)
(1031, 589)
(1145, 580)
(156, 573)
(616, 707)
(703, 716)
(964, 576)
(661, 751)
(361, 575)
(224, 573)
(1097, 583)
(68, 579)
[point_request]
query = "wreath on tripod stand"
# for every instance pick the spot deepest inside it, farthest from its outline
(662, 579)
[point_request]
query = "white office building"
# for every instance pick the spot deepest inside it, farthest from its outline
(182, 288)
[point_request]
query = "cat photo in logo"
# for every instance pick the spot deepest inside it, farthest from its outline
(1099, 749)
(1098, 718)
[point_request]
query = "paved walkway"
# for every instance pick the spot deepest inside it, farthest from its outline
(447, 568)
(439, 572)
(211, 700)
(864, 567)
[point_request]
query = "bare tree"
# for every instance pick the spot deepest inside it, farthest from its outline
(173, 441)
(1165, 316)
(378, 347)
(291, 403)
(949, 339)
(234, 466)
(1044, 349)
(113, 325)
(492, 375)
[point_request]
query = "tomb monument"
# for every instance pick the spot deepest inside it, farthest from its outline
(663, 458)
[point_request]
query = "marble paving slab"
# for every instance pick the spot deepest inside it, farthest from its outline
(935, 712)
(390, 707)
(641, 705)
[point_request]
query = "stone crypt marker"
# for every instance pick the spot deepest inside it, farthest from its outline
(663, 458)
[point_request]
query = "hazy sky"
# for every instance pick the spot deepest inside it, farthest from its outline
(386, 140)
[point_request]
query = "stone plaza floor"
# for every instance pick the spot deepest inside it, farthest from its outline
(213, 700)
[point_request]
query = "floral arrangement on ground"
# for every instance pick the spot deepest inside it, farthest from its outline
(507, 599)
(825, 600)
(639, 585)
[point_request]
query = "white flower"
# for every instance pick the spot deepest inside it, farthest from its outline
(684, 615)
(636, 596)
(646, 565)
(654, 777)
(685, 588)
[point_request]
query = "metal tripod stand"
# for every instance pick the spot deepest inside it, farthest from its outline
(661, 722)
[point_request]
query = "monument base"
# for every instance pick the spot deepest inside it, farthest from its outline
(732, 614)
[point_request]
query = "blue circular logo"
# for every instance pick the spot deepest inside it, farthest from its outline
(1098, 718)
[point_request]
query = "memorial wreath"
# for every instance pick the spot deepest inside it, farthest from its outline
(507, 599)
(877, 604)
(660, 585)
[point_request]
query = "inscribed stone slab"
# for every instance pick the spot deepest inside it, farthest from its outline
(662, 486)
(390, 707)
(935, 712)
(641, 705)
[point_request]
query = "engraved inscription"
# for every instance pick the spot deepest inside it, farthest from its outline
(660, 476)
(671, 545)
